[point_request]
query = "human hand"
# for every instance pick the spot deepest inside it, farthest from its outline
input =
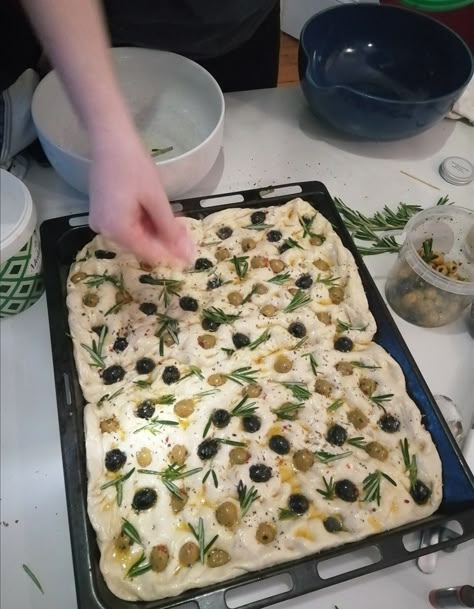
(128, 204)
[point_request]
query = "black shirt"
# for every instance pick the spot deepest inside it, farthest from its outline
(199, 29)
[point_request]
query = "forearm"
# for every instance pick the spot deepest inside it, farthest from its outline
(74, 37)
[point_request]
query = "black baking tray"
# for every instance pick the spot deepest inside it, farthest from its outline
(61, 239)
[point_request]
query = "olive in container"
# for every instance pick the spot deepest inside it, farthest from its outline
(432, 281)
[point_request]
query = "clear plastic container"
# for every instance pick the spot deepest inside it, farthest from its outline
(414, 289)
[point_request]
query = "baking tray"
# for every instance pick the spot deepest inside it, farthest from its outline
(61, 239)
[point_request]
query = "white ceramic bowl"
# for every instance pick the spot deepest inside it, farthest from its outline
(174, 102)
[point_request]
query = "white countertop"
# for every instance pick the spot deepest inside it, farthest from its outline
(270, 138)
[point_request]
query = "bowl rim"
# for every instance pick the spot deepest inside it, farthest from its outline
(118, 51)
(386, 8)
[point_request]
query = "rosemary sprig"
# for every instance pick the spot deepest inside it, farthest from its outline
(241, 265)
(159, 151)
(228, 351)
(329, 490)
(247, 496)
(298, 389)
(286, 514)
(242, 375)
(410, 463)
(366, 366)
(249, 295)
(335, 405)
(212, 472)
(288, 411)
(357, 441)
(260, 226)
(307, 224)
(288, 244)
(206, 392)
(96, 350)
(118, 483)
(243, 408)
(379, 245)
(300, 343)
(371, 485)
(300, 299)
(131, 532)
(199, 535)
(139, 567)
(326, 457)
(165, 399)
(154, 423)
(331, 280)
(169, 475)
(108, 398)
(379, 400)
(169, 325)
(381, 221)
(427, 248)
(280, 279)
(313, 363)
(95, 280)
(219, 316)
(193, 371)
(261, 339)
(114, 308)
(343, 326)
(143, 384)
(33, 577)
(170, 287)
(230, 442)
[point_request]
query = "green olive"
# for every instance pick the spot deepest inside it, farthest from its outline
(123, 542)
(260, 289)
(268, 310)
(293, 291)
(376, 451)
(282, 364)
(227, 514)
(248, 244)
(303, 460)
(206, 341)
(258, 262)
(90, 300)
(123, 297)
(222, 253)
(317, 240)
(324, 317)
(168, 339)
(217, 558)
(266, 532)
(109, 425)
(239, 456)
(322, 265)
(178, 454)
(277, 265)
(367, 386)
(144, 456)
(177, 503)
(216, 380)
(345, 368)
(189, 554)
(78, 277)
(323, 387)
(357, 418)
(184, 408)
(235, 298)
(253, 391)
(336, 294)
(159, 558)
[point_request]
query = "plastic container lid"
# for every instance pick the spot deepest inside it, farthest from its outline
(436, 5)
(452, 231)
(18, 218)
(457, 170)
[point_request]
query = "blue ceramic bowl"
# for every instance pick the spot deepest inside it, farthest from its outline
(381, 72)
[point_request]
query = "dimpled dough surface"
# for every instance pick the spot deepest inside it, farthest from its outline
(349, 398)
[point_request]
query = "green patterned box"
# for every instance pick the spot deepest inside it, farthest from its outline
(21, 283)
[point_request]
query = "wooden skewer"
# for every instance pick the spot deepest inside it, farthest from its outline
(419, 179)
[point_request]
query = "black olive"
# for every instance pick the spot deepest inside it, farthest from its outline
(332, 524)
(304, 282)
(343, 343)
(207, 449)
(220, 418)
(149, 308)
(120, 344)
(224, 233)
(202, 264)
(144, 499)
(346, 490)
(258, 217)
(337, 435)
(214, 282)
(389, 423)
(209, 325)
(260, 473)
(279, 444)
(297, 329)
(273, 236)
(98, 329)
(188, 303)
(115, 459)
(145, 410)
(298, 504)
(251, 423)
(170, 375)
(240, 340)
(148, 279)
(420, 492)
(113, 374)
(284, 247)
(104, 254)
(145, 365)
